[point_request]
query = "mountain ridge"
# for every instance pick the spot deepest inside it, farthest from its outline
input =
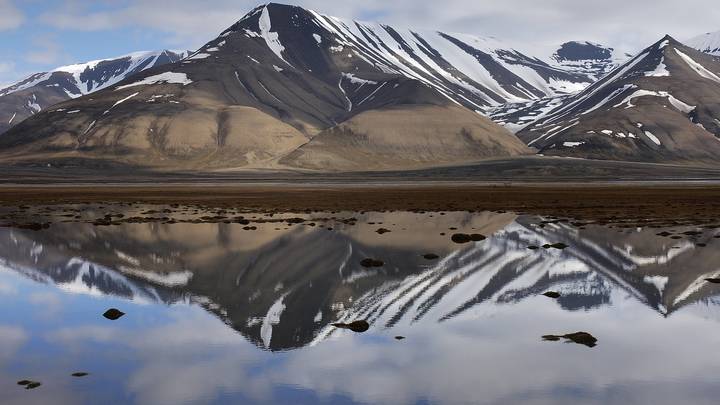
(659, 107)
(278, 78)
(42, 90)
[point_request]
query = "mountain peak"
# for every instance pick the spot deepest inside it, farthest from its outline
(652, 108)
(670, 40)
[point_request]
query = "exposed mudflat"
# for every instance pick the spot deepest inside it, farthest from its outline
(622, 204)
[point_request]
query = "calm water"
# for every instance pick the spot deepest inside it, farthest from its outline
(219, 314)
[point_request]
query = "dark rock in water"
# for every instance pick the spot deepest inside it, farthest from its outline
(460, 238)
(32, 385)
(558, 245)
(713, 280)
(80, 374)
(113, 314)
(399, 337)
(533, 247)
(24, 382)
(431, 256)
(664, 233)
(34, 226)
(355, 326)
(382, 231)
(581, 338)
(465, 238)
(552, 294)
(371, 263)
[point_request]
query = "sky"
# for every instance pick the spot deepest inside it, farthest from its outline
(38, 35)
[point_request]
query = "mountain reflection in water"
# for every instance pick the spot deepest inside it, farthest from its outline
(473, 316)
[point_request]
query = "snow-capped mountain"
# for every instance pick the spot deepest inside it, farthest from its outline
(41, 90)
(708, 43)
(286, 86)
(473, 71)
(588, 58)
(659, 106)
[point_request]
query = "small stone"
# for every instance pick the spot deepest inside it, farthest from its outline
(558, 245)
(581, 338)
(355, 326)
(371, 263)
(431, 256)
(382, 231)
(80, 374)
(113, 314)
(552, 294)
(399, 337)
(465, 238)
(32, 385)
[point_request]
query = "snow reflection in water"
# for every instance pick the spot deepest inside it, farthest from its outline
(216, 313)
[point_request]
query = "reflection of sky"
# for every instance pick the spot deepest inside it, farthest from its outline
(491, 354)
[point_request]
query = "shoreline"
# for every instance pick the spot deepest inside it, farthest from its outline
(607, 203)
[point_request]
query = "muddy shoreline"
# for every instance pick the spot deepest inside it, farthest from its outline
(604, 203)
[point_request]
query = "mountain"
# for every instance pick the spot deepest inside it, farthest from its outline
(41, 90)
(660, 106)
(588, 58)
(708, 43)
(288, 87)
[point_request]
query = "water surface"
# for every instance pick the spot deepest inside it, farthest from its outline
(222, 313)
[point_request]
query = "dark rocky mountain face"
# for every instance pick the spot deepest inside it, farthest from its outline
(588, 58)
(576, 51)
(41, 90)
(661, 106)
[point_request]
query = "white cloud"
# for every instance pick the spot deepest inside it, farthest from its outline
(11, 339)
(10, 16)
(44, 50)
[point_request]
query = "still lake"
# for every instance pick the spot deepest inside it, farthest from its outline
(218, 312)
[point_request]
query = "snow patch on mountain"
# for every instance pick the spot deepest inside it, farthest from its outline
(166, 77)
(708, 43)
(271, 38)
(700, 69)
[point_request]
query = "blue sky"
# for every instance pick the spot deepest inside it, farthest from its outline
(38, 35)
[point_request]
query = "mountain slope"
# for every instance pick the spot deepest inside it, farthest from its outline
(588, 58)
(708, 43)
(659, 106)
(280, 76)
(41, 90)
